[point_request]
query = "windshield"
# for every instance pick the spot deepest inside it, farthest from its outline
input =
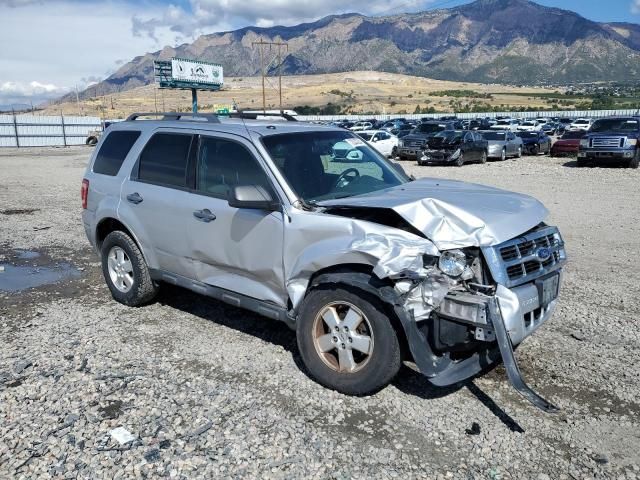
(449, 136)
(527, 134)
(494, 135)
(615, 124)
(529, 124)
(430, 127)
(328, 165)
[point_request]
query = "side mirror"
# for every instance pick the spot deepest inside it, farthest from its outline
(252, 196)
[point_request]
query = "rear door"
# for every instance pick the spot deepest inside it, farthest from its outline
(236, 249)
(153, 198)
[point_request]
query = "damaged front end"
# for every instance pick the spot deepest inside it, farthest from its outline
(470, 307)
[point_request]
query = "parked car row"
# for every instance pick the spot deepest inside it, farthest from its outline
(449, 140)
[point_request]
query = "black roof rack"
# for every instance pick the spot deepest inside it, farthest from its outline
(210, 117)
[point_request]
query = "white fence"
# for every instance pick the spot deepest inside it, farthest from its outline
(462, 116)
(40, 131)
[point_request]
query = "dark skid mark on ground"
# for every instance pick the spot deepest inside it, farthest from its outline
(19, 211)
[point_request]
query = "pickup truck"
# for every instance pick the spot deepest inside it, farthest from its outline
(411, 146)
(612, 139)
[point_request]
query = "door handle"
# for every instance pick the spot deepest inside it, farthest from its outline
(134, 198)
(204, 215)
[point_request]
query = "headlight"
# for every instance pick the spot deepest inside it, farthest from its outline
(584, 143)
(631, 142)
(453, 262)
(401, 143)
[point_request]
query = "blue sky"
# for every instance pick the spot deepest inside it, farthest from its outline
(51, 46)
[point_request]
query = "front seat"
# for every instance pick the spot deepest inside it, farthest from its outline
(305, 174)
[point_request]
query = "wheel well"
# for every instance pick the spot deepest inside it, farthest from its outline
(108, 225)
(349, 274)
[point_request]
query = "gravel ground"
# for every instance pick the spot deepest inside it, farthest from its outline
(207, 390)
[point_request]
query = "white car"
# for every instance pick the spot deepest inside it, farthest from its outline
(529, 126)
(543, 120)
(361, 126)
(383, 142)
(580, 124)
(506, 124)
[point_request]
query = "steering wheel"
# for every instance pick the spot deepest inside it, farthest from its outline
(344, 177)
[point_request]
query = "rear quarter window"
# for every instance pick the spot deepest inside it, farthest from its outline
(113, 151)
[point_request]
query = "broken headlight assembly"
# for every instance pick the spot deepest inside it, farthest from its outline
(452, 263)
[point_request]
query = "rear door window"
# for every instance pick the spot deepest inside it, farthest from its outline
(164, 160)
(113, 151)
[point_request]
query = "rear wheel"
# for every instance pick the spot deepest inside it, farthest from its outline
(346, 341)
(483, 158)
(125, 270)
(503, 155)
(460, 160)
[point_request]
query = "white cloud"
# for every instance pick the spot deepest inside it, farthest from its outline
(207, 16)
(67, 43)
(27, 92)
(635, 7)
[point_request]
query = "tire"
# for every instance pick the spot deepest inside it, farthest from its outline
(134, 286)
(483, 158)
(581, 162)
(535, 150)
(368, 373)
(519, 154)
(503, 155)
(460, 161)
(635, 161)
(92, 141)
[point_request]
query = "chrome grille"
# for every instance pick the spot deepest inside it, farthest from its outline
(607, 142)
(415, 143)
(517, 261)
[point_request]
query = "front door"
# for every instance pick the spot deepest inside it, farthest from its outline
(236, 249)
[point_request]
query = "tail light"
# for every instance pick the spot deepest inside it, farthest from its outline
(84, 192)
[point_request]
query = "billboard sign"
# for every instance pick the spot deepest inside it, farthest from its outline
(194, 71)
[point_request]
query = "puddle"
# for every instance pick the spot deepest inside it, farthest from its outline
(26, 254)
(16, 278)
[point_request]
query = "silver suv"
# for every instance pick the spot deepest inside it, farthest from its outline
(369, 266)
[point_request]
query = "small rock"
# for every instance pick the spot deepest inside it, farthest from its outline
(152, 455)
(122, 435)
(474, 430)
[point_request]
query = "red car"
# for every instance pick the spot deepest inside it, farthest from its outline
(567, 144)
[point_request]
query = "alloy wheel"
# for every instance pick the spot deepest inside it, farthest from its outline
(343, 337)
(120, 269)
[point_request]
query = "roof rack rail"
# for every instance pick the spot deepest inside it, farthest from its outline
(254, 114)
(209, 117)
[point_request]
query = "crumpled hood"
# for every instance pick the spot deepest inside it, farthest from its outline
(454, 214)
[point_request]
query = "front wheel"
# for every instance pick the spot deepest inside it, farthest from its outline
(346, 341)
(483, 158)
(460, 160)
(519, 152)
(635, 161)
(503, 155)
(126, 271)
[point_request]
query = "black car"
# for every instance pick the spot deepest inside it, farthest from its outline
(455, 148)
(534, 143)
(412, 145)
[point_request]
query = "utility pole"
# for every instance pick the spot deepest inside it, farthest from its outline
(264, 67)
(78, 102)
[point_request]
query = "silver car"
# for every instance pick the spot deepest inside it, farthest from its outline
(503, 144)
(369, 266)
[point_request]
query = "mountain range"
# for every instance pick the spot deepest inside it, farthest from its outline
(489, 41)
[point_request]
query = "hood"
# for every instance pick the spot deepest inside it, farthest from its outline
(621, 133)
(455, 214)
(567, 141)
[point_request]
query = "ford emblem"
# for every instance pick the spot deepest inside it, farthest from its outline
(543, 253)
